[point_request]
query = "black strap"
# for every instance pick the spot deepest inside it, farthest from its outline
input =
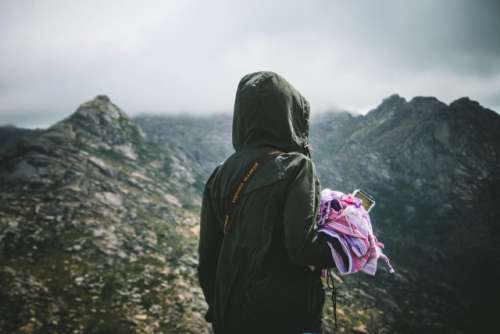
(330, 282)
(235, 195)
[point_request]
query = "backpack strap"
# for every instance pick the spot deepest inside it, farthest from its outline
(235, 195)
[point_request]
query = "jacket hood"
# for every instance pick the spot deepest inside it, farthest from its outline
(269, 111)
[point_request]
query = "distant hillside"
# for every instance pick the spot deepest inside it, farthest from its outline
(10, 135)
(206, 140)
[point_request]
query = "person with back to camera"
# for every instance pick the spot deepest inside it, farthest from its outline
(259, 253)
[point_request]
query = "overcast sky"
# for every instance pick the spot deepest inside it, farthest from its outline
(188, 56)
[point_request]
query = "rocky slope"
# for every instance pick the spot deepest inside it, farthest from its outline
(98, 230)
(433, 169)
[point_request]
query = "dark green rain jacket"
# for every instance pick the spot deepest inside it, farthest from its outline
(256, 278)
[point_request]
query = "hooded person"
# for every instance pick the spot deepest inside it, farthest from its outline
(258, 277)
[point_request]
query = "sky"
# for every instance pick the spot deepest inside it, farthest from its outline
(188, 56)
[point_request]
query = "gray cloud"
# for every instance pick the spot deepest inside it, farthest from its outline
(171, 56)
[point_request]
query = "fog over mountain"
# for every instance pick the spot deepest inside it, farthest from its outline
(187, 56)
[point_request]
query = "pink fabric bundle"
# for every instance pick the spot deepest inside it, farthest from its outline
(341, 216)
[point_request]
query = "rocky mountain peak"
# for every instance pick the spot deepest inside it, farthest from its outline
(465, 102)
(101, 108)
(99, 120)
(390, 106)
(467, 106)
(394, 99)
(418, 106)
(426, 103)
(473, 117)
(472, 109)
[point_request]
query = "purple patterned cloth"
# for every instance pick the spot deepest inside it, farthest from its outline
(341, 216)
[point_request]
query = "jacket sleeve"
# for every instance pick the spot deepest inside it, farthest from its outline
(304, 245)
(208, 250)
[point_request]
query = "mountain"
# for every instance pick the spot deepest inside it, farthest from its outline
(205, 139)
(99, 217)
(98, 230)
(10, 135)
(433, 169)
